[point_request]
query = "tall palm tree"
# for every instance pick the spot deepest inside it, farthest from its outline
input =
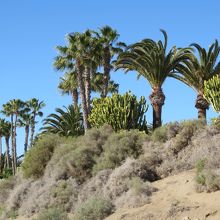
(152, 61)
(7, 134)
(67, 122)
(35, 107)
(197, 71)
(2, 123)
(108, 40)
(13, 109)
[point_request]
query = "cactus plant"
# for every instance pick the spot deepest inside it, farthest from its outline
(212, 92)
(122, 112)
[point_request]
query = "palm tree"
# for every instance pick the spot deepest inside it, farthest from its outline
(68, 85)
(67, 122)
(7, 134)
(151, 60)
(25, 121)
(197, 71)
(97, 84)
(108, 41)
(13, 109)
(2, 122)
(35, 107)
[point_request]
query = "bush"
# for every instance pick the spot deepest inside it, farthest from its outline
(118, 147)
(119, 111)
(80, 157)
(6, 185)
(139, 186)
(38, 156)
(95, 208)
(52, 214)
(159, 134)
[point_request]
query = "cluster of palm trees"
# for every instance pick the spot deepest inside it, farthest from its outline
(21, 114)
(85, 55)
(90, 51)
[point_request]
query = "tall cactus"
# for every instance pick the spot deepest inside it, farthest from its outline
(119, 111)
(212, 92)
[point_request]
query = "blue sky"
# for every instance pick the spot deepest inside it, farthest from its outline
(30, 30)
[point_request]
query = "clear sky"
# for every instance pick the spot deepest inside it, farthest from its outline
(30, 30)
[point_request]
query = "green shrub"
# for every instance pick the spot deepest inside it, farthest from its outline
(159, 134)
(61, 194)
(216, 122)
(122, 112)
(186, 132)
(118, 147)
(38, 156)
(200, 177)
(95, 208)
(52, 214)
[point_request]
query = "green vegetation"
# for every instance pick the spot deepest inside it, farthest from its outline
(118, 147)
(38, 156)
(122, 112)
(52, 214)
(66, 122)
(95, 208)
(212, 92)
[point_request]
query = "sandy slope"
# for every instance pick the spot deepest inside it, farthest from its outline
(175, 199)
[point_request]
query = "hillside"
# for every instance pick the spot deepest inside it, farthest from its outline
(170, 174)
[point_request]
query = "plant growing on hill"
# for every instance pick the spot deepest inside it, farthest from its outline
(212, 92)
(151, 60)
(196, 71)
(66, 122)
(38, 156)
(119, 111)
(95, 208)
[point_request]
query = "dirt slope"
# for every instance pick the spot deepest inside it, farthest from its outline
(175, 199)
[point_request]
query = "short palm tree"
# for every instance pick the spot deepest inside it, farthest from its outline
(152, 61)
(68, 85)
(25, 121)
(67, 122)
(197, 71)
(35, 107)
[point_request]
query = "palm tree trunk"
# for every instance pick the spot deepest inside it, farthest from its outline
(202, 105)
(26, 138)
(7, 154)
(88, 88)
(32, 129)
(75, 98)
(82, 94)
(14, 154)
(107, 69)
(157, 99)
(12, 144)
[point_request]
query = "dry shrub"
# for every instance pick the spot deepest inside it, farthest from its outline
(95, 208)
(138, 194)
(52, 214)
(118, 147)
(117, 182)
(6, 186)
(39, 155)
